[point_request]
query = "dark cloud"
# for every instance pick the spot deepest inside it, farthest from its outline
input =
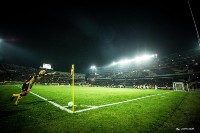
(95, 34)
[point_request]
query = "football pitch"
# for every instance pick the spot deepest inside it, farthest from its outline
(99, 109)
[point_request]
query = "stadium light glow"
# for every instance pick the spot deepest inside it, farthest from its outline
(114, 63)
(123, 62)
(93, 67)
(1, 40)
(137, 59)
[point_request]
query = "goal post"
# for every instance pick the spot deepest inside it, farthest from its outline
(178, 86)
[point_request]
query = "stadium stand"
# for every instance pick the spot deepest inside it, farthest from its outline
(161, 72)
(10, 73)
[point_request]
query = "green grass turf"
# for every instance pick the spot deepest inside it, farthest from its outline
(163, 113)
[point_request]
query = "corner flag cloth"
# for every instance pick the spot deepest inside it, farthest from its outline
(72, 70)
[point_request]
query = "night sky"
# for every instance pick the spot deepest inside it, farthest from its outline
(94, 34)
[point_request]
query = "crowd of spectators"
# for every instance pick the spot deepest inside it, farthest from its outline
(161, 72)
(15, 73)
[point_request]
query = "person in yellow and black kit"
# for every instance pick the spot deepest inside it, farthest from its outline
(27, 85)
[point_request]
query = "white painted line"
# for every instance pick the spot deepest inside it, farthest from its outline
(81, 106)
(111, 104)
(94, 107)
(53, 103)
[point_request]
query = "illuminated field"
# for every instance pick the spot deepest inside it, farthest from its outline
(107, 110)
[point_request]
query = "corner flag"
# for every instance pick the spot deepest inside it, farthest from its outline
(72, 74)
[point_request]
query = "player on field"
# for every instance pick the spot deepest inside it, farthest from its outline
(27, 85)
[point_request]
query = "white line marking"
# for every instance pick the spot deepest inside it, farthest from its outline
(111, 104)
(53, 103)
(81, 106)
(94, 107)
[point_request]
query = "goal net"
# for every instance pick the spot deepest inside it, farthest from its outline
(178, 86)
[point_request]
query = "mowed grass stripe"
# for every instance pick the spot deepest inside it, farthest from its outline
(146, 115)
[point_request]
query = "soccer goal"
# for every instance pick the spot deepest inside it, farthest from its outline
(178, 86)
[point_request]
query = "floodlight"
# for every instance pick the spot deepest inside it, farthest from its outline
(114, 63)
(137, 59)
(154, 55)
(123, 62)
(93, 67)
(145, 57)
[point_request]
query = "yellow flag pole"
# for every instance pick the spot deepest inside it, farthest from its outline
(72, 73)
